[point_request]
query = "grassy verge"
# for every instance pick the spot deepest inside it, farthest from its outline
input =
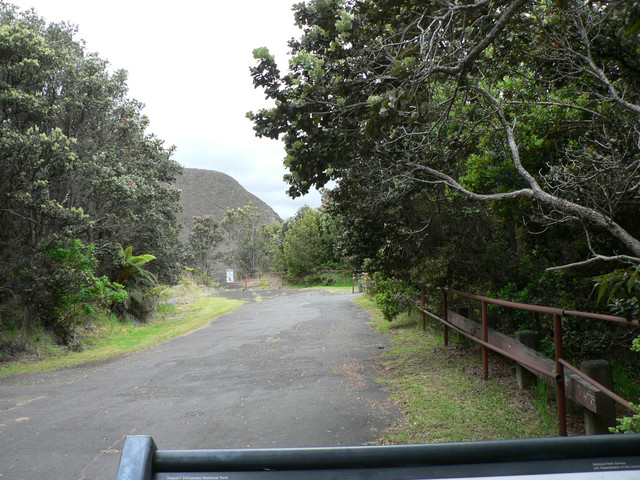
(442, 396)
(107, 337)
(327, 288)
(335, 289)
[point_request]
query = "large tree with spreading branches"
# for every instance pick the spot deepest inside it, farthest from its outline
(528, 107)
(78, 169)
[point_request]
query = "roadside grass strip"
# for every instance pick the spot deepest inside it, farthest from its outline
(441, 392)
(108, 337)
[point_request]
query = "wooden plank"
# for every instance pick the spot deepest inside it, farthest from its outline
(577, 389)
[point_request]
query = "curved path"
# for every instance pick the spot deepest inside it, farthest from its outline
(287, 369)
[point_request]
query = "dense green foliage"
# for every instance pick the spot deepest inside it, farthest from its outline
(249, 238)
(629, 424)
(303, 248)
(393, 297)
(72, 289)
(621, 289)
(80, 177)
(487, 146)
(306, 246)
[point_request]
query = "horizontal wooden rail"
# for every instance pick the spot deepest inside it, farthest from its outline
(530, 365)
(599, 386)
(569, 380)
(579, 390)
(544, 309)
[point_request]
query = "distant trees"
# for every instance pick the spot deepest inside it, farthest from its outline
(304, 250)
(206, 237)
(307, 245)
(250, 246)
(76, 165)
(301, 247)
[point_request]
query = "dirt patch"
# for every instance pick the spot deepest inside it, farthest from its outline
(353, 373)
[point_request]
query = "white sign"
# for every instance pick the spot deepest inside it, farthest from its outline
(229, 275)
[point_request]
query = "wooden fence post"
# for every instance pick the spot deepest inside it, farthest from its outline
(485, 338)
(597, 423)
(525, 378)
(562, 401)
(445, 316)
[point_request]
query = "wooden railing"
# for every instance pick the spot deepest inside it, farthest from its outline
(569, 380)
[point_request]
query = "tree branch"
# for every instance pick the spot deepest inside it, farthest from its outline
(597, 72)
(561, 204)
(463, 65)
(445, 179)
(594, 259)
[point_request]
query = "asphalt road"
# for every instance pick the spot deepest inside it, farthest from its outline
(287, 369)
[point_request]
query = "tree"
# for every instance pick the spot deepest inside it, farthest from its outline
(204, 239)
(77, 164)
(532, 104)
(125, 176)
(309, 244)
(510, 128)
(250, 244)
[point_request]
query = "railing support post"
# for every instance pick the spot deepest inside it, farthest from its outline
(445, 316)
(597, 423)
(423, 303)
(485, 338)
(524, 377)
(562, 403)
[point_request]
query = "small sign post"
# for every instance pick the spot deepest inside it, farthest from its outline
(229, 275)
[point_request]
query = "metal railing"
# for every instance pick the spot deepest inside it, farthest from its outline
(557, 374)
(578, 457)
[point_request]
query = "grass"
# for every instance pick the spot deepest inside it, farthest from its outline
(107, 337)
(345, 282)
(335, 288)
(326, 288)
(442, 396)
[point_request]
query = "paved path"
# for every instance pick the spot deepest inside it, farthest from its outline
(290, 368)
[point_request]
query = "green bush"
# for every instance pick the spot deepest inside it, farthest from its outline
(628, 424)
(72, 290)
(394, 297)
(621, 289)
(138, 283)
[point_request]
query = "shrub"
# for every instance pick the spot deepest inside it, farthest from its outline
(621, 288)
(393, 297)
(69, 288)
(138, 283)
(628, 424)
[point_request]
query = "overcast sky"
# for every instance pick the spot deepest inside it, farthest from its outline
(188, 62)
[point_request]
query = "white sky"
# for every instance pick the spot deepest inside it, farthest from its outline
(188, 62)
